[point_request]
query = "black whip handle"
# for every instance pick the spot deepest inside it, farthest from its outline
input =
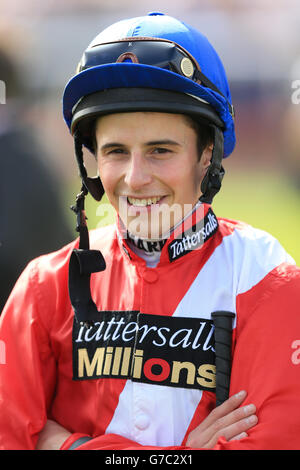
(223, 341)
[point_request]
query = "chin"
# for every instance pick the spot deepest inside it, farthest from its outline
(152, 224)
(143, 230)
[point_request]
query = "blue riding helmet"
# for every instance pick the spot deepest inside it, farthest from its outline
(151, 63)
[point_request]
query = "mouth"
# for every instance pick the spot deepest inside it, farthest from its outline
(144, 202)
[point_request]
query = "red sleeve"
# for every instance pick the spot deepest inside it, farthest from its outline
(265, 360)
(27, 376)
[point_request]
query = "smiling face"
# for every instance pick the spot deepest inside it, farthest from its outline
(150, 169)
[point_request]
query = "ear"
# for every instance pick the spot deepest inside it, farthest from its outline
(204, 163)
(206, 157)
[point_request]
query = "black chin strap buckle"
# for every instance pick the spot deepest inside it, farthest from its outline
(213, 183)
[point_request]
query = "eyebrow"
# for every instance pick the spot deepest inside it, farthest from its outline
(147, 144)
(162, 142)
(111, 144)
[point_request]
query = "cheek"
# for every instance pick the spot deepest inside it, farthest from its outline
(188, 176)
(107, 174)
(177, 171)
(191, 186)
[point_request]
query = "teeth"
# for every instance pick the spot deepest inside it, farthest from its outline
(143, 202)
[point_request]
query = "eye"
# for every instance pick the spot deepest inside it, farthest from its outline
(161, 150)
(116, 151)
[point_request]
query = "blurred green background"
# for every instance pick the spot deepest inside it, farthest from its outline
(266, 201)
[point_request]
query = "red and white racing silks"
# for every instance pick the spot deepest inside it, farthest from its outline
(143, 376)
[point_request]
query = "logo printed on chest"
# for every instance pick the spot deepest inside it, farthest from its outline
(173, 351)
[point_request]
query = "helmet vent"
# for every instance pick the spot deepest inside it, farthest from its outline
(128, 55)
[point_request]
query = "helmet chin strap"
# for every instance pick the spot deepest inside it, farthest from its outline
(93, 185)
(212, 181)
(83, 261)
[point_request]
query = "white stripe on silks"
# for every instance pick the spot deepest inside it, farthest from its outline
(160, 415)
(240, 262)
(164, 413)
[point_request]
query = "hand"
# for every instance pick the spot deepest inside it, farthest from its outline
(229, 420)
(52, 436)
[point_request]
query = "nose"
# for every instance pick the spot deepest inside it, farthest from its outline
(137, 173)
